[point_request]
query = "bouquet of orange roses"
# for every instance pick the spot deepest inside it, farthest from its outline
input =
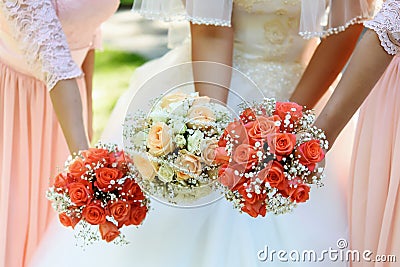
(97, 193)
(173, 147)
(272, 156)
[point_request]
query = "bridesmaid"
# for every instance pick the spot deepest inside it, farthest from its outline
(373, 75)
(46, 65)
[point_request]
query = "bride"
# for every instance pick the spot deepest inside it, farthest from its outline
(264, 44)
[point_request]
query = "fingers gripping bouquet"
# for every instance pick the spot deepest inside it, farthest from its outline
(272, 157)
(97, 194)
(173, 147)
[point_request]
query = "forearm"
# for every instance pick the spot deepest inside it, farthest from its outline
(68, 108)
(367, 65)
(215, 44)
(88, 69)
(325, 65)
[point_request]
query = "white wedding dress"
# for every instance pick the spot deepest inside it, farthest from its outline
(268, 50)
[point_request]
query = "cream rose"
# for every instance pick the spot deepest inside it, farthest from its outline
(146, 168)
(172, 98)
(208, 147)
(190, 163)
(200, 116)
(159, 140)
(201, 100)
(165, 173)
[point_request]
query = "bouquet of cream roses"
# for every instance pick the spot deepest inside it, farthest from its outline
(174, 146)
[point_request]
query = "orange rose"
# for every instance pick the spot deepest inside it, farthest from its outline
(254, 204)
(119, 210)
(261, 127)
(189, 162)
(310, 153)
(159, 140)
(272, 174)
(94, 155)
(131, 191)
(248, 115)
(221, 156)
(227, 176)
(245, 155)
(68, 221)
(172, 98)
(235, 130)
(122, 161)
(107, 178)
(137, 214)
(296, 190)
(61, 181)
(291, 108)
(300, 193)
(77, 168)
(94, 213)
(208, 151)
(258, 208)
(199, 116)
(281, 144)
(80, 193)
(108, 231)
(146, 168)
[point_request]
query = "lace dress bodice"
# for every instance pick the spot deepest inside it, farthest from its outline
(267, 45)
(49, 39)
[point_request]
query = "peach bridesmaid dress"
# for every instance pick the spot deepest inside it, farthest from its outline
(41, 42)
(375, 198)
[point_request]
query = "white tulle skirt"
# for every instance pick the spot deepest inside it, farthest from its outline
(214, 235)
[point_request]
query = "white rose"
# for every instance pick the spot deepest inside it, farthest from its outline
(179, 108)
(178, 127)
(139, 139)
(159, 116)
(165, 173)
(180, 141)
(194, 142)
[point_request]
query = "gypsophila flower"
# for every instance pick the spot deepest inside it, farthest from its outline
(95, 181)
(289, 151)
(181, 170)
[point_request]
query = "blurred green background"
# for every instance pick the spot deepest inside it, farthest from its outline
(113, 70)
(126, 3)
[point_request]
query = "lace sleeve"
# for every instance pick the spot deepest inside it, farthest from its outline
(209, 12)
(35, 26)
(387, 26)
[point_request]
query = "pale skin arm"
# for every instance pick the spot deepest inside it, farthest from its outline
(88, 69)
(366, 66)
(67, 105)
(325, 65)
(212, 43)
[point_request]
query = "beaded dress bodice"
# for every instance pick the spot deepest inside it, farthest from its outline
(267, 45)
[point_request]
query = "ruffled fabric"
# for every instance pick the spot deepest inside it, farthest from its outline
(208, 12)
(321, 18)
